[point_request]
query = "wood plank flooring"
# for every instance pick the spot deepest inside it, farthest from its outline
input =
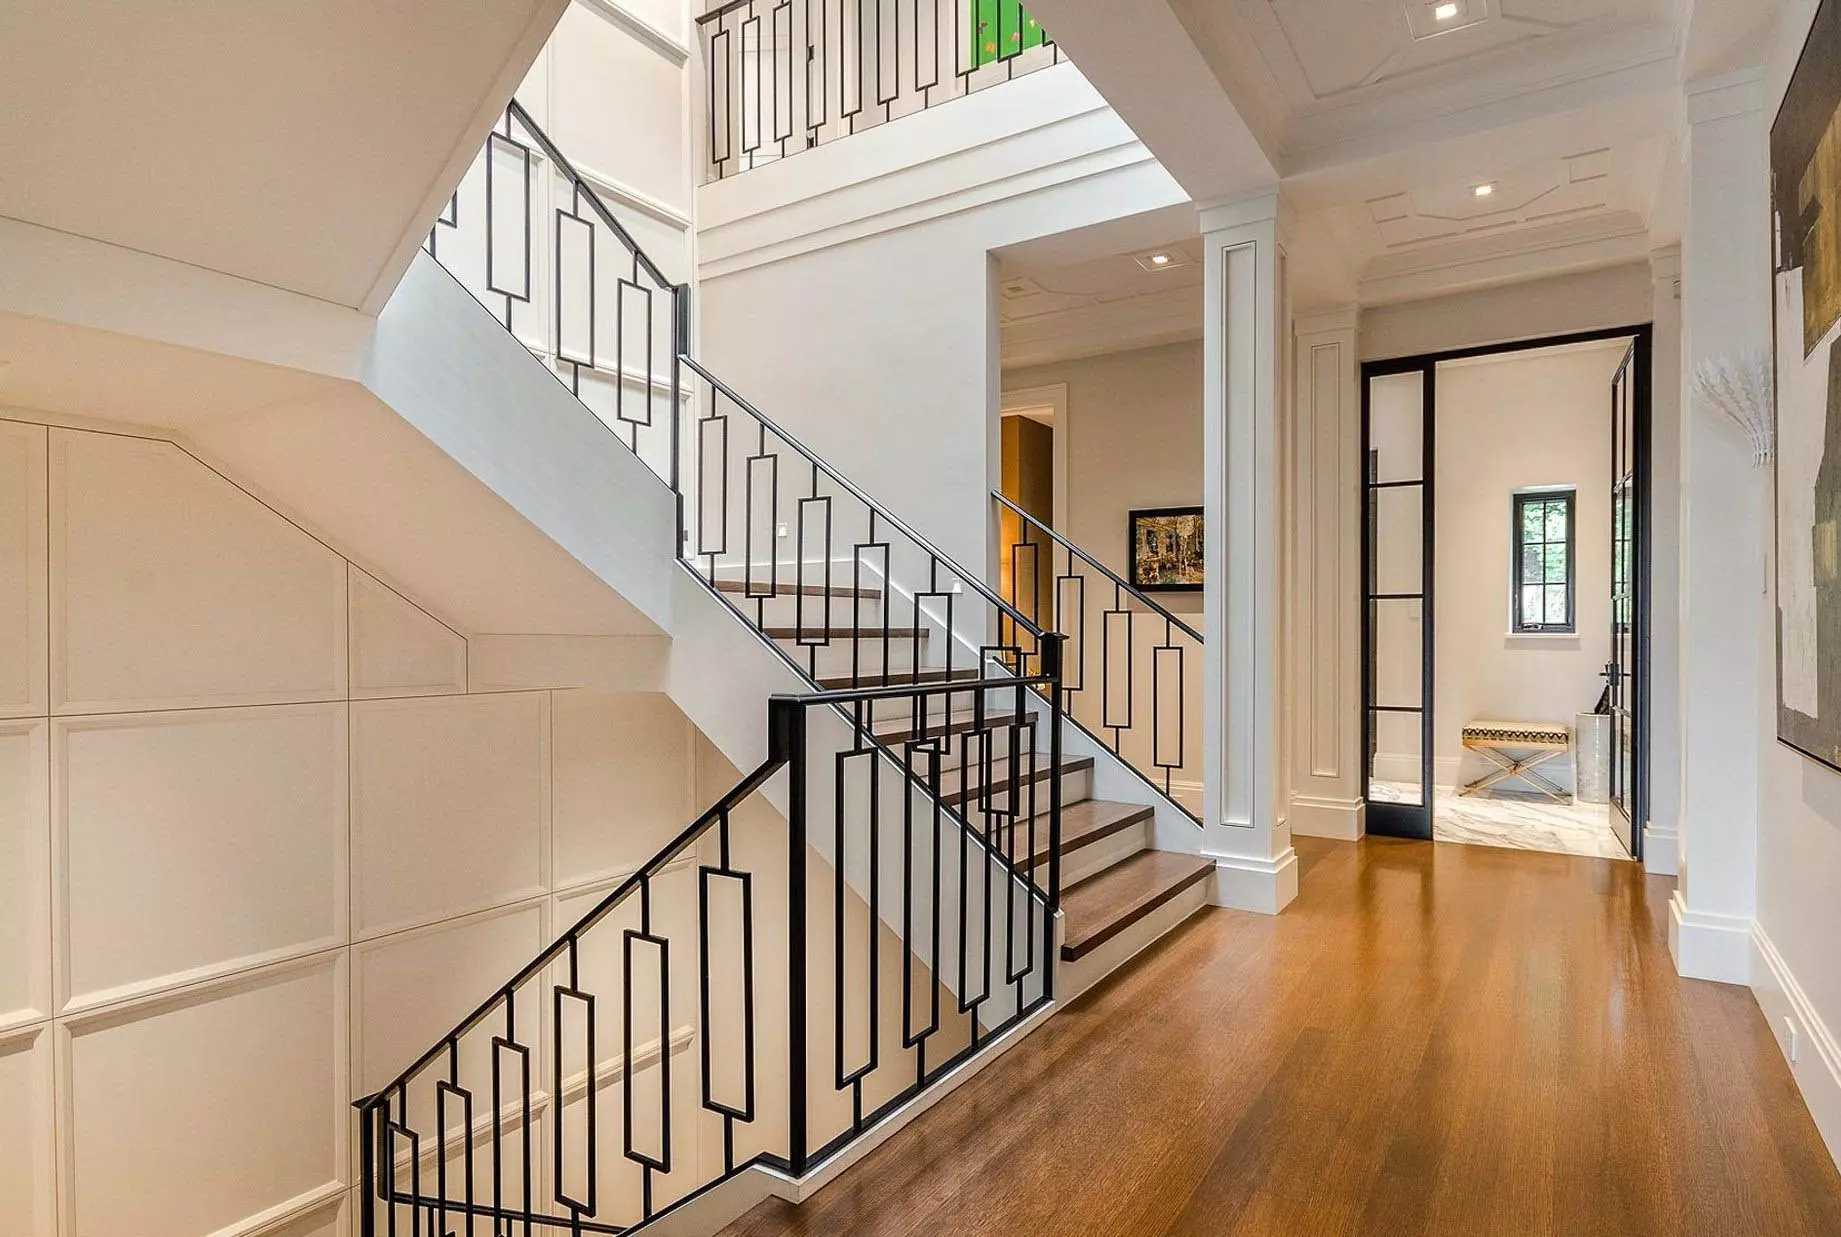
(1432, 1040)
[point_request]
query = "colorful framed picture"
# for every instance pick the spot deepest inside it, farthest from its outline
(1806, 212)
(1166, 549)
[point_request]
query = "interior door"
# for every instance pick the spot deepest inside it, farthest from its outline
(1397, 424)
(1625, 673)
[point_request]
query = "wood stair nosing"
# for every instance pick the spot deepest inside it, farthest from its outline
(871, 635)
(954, 726)
(1082, 824)
(959, 790)
(1108, 902)
(741, 587)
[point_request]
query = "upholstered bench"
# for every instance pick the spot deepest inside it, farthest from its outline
(1538, 741)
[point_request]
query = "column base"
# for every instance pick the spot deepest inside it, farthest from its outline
(1313, 816)
(1661, 853)
(1708, 946)
(1246, 883)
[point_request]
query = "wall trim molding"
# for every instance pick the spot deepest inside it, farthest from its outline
(1323, 816)
(1660, 853)
(661, 41)
(1249, 883)
(1816, 1065)
(1709, 946)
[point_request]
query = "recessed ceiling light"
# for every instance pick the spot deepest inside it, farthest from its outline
(1161, 260)
(1445, 11)
(1484, 190)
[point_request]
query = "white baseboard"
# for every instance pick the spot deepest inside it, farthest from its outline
(1315, 816)
(1246, 883)
(1709, 946)
(1661, 850)
(1813, 1054)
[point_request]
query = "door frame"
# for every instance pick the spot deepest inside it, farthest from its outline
(1643, 337)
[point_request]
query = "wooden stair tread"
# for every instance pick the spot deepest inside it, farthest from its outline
(902, 731)
(788, 589)
(841, 682)
(953, 792)
(1104, 905)
(870, 635)
(1082, 824)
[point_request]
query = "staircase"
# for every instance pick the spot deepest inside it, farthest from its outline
(916, 873)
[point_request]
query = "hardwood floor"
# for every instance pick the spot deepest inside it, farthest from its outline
(1433, 1039)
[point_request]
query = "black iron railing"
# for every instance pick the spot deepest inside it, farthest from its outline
(1131, 670)
(534, 241)
(921, 791)
(782, 76)
(844, 948)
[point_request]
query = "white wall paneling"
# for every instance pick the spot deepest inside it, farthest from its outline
(243, 606)
(399, 649)
(169, 828)
(25, 875)
(450, 806)
(238, 885)
(27, 1206)
(208, 1110)
(23, 651)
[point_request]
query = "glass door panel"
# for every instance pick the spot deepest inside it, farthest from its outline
(1396, 582)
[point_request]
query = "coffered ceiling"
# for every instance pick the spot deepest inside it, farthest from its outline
(1111, 302)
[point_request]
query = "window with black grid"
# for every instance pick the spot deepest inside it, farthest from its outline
(1543, 563)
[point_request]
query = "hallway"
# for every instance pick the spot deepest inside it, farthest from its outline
(1432, 1039)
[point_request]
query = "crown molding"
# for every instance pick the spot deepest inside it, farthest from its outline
(1729, 94)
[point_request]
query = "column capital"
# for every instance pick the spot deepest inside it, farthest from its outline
(1267, 206)
(1724, 96)
(1335, 321)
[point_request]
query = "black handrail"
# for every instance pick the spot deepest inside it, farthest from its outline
(1131, 590)
(882, 513)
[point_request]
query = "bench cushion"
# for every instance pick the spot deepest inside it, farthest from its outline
(1518, 734)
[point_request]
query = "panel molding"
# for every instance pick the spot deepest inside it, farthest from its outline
(35, 569)
(39, 985)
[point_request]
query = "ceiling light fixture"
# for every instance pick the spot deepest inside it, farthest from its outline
(1160, 259)
(1484, 190)
(1445, 11)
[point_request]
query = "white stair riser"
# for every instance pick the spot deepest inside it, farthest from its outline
(1096, 857)
(1076, 977)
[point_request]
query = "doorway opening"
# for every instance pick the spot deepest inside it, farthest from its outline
(1505, 569)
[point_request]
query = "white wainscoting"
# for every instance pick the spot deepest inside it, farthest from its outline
(262, 845)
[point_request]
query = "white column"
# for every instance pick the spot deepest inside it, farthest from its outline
(1661, 835)
(1245, 336)
(1726, 308)
(1321, 707)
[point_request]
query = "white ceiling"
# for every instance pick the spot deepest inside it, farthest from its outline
(1380, 123)
(293, 144)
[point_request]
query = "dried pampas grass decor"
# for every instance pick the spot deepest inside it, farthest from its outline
(1739, 387)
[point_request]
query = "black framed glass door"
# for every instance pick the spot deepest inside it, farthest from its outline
(1398, 399)
(1626, 674)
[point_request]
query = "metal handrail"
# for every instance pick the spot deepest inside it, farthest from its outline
(1131, 590)
(882, 513)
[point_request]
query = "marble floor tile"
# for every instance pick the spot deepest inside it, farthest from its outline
(1514, 822)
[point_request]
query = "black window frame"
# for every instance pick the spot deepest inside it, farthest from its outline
(1518, 501)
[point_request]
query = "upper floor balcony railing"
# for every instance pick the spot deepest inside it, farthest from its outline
(782, 76)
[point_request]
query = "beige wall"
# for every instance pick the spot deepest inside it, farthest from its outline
(262, 844)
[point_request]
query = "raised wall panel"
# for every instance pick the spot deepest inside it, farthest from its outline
(25, 1134)
(25, 875)
(449, 806)
(193, 842)
(22, 570)
(410, 990)
(203, 1111)
(172, 588)
(399, 649)
(621, 763)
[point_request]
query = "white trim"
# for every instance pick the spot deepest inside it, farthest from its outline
(1707, 945)
(1807, 1043)
(1249, 883)
(1053, 396)
(1320, 816)
(1661, 850)
(624, 194)
(663, 42)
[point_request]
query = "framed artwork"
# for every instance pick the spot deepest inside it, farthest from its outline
(1166, 549)
(1806, 302)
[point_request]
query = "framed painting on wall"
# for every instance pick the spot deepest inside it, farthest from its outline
(1806, 304)
(1166, 549)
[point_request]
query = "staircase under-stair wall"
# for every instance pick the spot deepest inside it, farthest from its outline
(920, 860)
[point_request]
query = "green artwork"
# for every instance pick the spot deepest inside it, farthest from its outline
(1001, 29)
